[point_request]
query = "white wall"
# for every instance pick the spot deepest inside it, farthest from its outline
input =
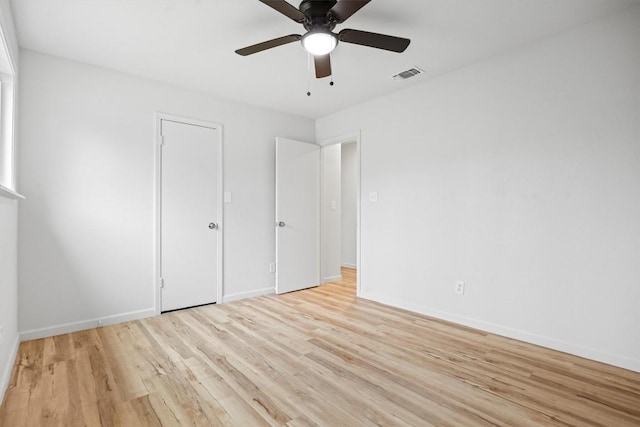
(521, 176)
(349, 197)
(331, 229)
(8, 241)
(8, 288)
(86, 236)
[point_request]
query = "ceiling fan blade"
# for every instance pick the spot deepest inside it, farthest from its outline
(250, 50)
(379, 41)
(286, 9)
(345, 8)
(323, 66)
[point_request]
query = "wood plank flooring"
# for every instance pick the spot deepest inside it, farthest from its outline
(318, 357)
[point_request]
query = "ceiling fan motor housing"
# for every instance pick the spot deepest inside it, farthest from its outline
(318, 15)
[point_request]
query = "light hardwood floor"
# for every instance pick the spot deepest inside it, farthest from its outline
(315, 357)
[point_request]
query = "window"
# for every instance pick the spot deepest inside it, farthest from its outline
(7, 149)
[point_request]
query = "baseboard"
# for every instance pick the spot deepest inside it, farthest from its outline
(250, 294)
(67, 328)
(7, 370)
(347, 265)
(520, 335)
(332, 279)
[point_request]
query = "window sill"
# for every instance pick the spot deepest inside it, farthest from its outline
(5, 192)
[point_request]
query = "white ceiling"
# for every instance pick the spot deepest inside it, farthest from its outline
(191, 43)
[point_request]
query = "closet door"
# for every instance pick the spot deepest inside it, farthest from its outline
(189, 215)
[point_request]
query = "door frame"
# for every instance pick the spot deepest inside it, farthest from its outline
(341, 139)
(157, 286)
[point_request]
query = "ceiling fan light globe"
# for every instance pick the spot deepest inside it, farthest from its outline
(319, 42)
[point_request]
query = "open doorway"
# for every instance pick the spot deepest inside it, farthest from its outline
(341, 210)
(349, 211)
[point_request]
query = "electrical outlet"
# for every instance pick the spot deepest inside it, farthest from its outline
(459, 287)
(272, 267)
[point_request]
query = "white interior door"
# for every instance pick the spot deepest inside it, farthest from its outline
(189, 215)
(297, 215)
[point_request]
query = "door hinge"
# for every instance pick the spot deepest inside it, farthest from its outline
(161, 282)
(161, 140)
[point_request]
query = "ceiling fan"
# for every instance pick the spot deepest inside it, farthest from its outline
(319, 18)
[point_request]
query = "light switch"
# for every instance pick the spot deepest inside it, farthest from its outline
(373, 196)
(334, 205)
(227, 197)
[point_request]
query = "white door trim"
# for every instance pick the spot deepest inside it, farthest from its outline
(158, 203)
(341, 139)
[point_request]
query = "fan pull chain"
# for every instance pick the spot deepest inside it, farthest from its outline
(309, 74)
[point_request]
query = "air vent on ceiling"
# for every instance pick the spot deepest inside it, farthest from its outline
(411, 72)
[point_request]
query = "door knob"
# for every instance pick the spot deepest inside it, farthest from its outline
(281, 224)
(213, 226)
